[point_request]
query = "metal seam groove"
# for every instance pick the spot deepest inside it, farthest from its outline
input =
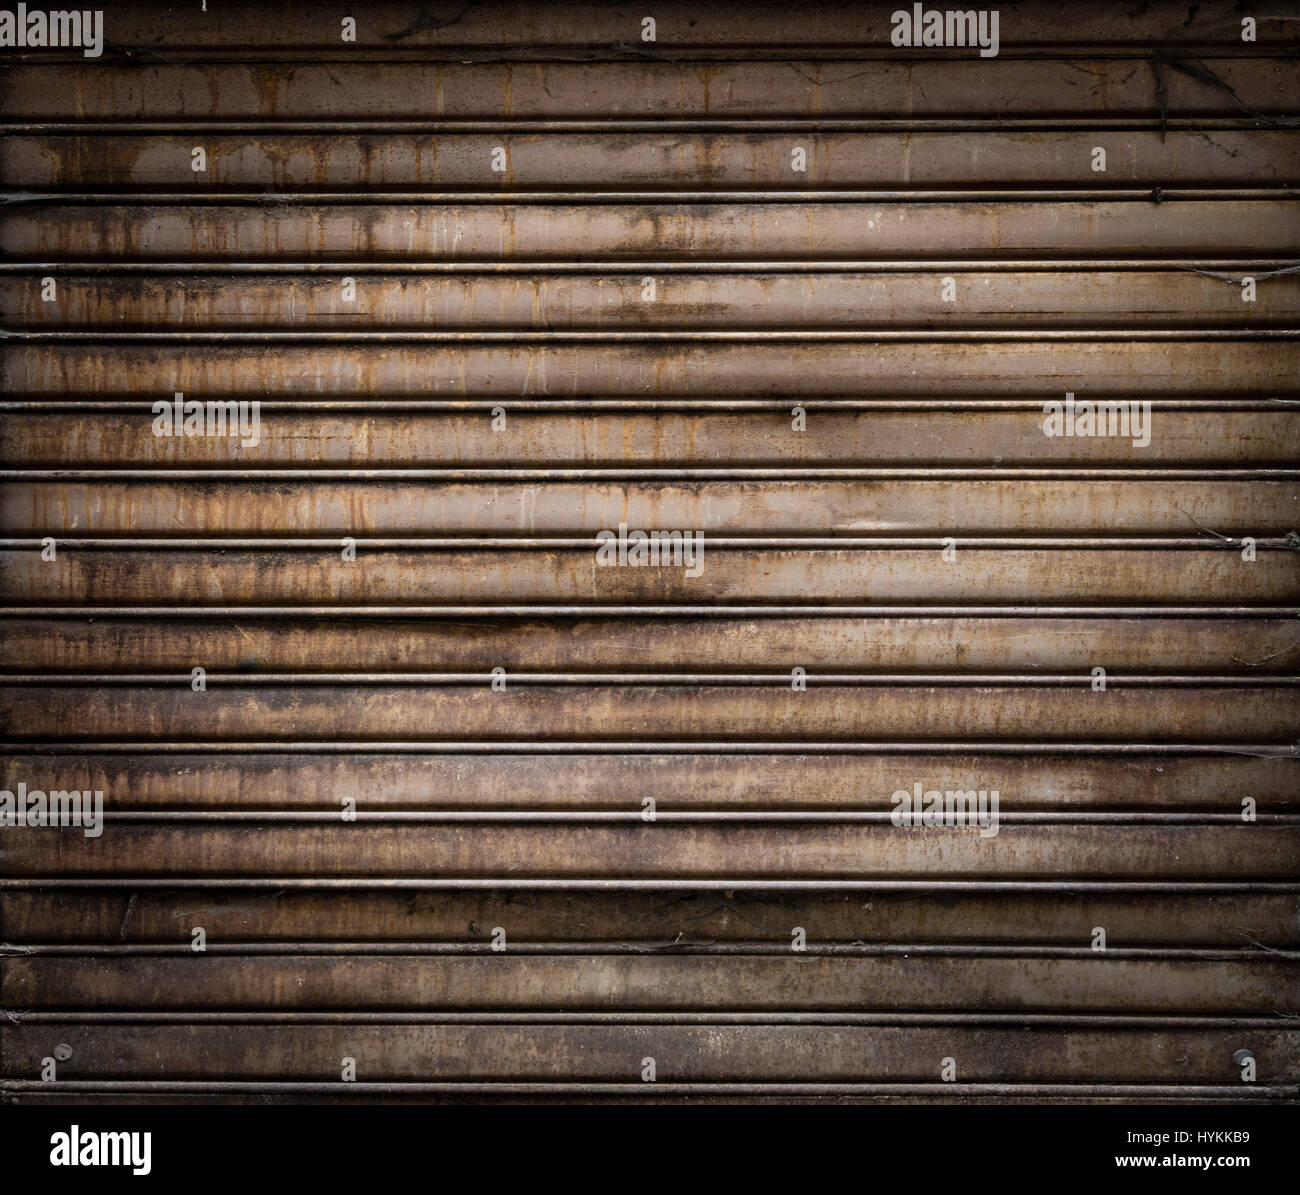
(1113, 955)
(739, 473)
(679, 610)
(380, 196)
(833, 543)
(1062, 1020)
(1078, 817)
(1155, 680)
(846, 747)
(452, 125)
(673, 336)
(1253, 1092)
(596, 405)
(669, 266)
(665, 884)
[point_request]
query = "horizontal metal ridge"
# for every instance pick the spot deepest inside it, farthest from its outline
(597, 404)
(1154, 122)
(236, 336)
(1080, 817)
(216, 543)
(1061, 1020)
(779, 948)
(612, 884)
(682, 610)
(662, 473)
(779, 679)
(1264, 750)
(668, 266)
(973, 194)
(1132, 1092)
(524, 50)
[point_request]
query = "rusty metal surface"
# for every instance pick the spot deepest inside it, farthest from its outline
(279, 227)
(1230, 435)
(600, 1053)
(747, 577)
(670, 850)
(305, 710)
(1179, 365)
(142, 917)
(1096, 89)
(1006, 300)
(1221, 645)
(681, 779)
(778, 980)
(649, 161)
(618, 326)
(909, 505)
(522, 29)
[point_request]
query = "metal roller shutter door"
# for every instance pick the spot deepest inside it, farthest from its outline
(505, 279)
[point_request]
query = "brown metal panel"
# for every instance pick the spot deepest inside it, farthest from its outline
(500, 576)
(233, 709)
(527, 29)
(424, 91)
(122, 437)
(672, 983)
(649, 161)
(660, 920)
(1175, 364)
(277, 228)
(681, 780)
(537, 506)
(716, 644)
(665, 849)
(611, 1053)
(1065, 299)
